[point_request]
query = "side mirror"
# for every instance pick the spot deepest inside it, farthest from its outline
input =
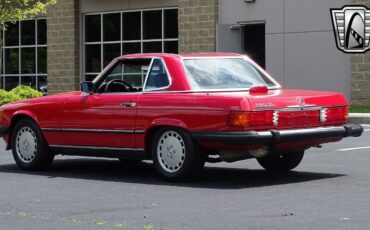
(87, 87)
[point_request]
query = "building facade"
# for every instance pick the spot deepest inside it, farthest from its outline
(360, 71)
(292, 39)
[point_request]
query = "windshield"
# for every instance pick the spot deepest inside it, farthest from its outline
(224, 73)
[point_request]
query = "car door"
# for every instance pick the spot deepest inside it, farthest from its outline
(106, 118)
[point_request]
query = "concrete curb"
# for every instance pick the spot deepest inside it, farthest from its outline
(360, 118)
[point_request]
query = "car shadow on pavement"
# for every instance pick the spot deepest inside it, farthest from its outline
(144, 172)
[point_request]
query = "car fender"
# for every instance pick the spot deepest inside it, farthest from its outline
(151, 129)
(167, 122)
(11, 124)
(26, 113)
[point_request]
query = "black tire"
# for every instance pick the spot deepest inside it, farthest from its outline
(30, 150)
(186, 163)
(282, 162)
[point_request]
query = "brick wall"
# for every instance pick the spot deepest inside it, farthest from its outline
(360, 68)
(197, 25)
(63, 46)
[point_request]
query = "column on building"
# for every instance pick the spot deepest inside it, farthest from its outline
(63, 46)
(197, 25)
(360, 68)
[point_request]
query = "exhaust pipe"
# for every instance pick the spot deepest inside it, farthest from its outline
(232, 156)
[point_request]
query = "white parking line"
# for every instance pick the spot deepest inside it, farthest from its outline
(357, 148)
(365, 126)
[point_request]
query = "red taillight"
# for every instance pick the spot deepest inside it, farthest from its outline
(251, 119)
(334, 115)
(238, 119)
(288, 119)
(300, 118)
(263, 118)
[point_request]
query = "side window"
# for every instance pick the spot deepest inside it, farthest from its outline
(126, 76)
(158, 77)
(116, 73)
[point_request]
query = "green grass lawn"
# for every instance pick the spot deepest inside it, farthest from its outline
(359, 109)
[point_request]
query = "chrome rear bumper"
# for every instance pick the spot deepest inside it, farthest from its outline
(276, 136)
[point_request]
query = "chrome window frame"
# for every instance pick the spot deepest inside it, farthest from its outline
(112, 64)
(167, 73)
(152, 58)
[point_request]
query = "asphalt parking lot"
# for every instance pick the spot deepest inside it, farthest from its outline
(330, 189)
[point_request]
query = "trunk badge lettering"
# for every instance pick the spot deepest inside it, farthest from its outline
(264, 105)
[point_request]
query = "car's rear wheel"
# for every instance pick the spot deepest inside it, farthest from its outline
(281, 162)
(30, 150)
(175, 155)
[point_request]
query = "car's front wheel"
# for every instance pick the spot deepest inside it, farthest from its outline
(281, 162)
(30, 150)
(175, 155)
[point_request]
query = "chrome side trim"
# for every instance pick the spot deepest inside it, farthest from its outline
(96, 148)
(94, 131)
(50, 130)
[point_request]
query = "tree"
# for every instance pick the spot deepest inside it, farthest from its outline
(16, 10)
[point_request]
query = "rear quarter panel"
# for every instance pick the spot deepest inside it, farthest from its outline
(191, 111)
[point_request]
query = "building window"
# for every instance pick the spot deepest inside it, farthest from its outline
(24, 54)
(109, 35)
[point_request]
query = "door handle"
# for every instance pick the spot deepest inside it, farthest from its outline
(128, 104)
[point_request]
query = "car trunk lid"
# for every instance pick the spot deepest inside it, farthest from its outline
(299, 108)
(294, 99)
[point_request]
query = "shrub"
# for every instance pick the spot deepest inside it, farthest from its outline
(25, 92)
(18, 93)
(7, 97)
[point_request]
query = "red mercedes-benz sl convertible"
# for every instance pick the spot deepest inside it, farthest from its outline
(180, 111)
